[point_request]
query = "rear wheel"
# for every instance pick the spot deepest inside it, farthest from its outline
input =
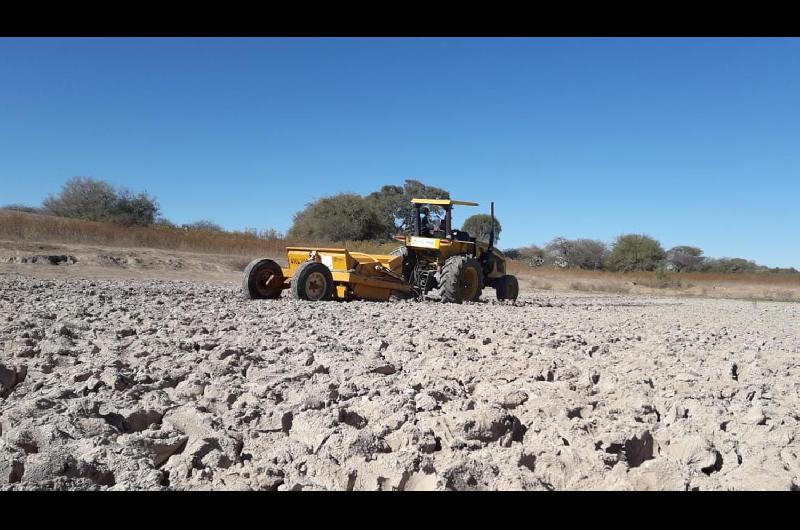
(263, 278)
(461, 280)
(507, 288)
(312, 281)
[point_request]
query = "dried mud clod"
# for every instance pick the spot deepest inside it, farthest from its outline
(134, 384)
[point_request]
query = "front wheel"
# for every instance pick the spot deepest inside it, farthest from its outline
(461, 280)
(507, 288)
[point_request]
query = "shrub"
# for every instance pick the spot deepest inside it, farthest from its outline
(163, 222)
(577, 253)
(130, 209)
(203, 224)
(83, 198)
(97, 200)
(531, 255)
(635, 252)
(268, 233)
(346, 216)
(480, 226)
(24, 208)
(730, 265)
(685, 258)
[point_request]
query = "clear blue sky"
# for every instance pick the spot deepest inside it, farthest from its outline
(693, 141)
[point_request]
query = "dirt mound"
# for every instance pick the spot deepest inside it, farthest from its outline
(116, 263)
(49, 259)
(131, 384)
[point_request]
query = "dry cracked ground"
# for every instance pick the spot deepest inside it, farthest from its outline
(135, 384)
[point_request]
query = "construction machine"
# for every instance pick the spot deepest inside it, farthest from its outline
(451, 263)
(436, 261)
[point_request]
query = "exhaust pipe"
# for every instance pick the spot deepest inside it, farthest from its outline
(491, 233)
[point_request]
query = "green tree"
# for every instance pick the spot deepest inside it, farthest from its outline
(393, 204)
(727, 265)
(97, 200)
(685, 258)
(204, 225)
(579, 253)
(531, 255)
(479, 226)
(346, 216)
(130, 209)
(83, 198)
(635, 252)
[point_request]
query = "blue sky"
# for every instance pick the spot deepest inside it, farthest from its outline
(693, 141)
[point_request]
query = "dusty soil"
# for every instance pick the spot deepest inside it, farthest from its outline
(132, 383)
(48, 260)
(759, 287)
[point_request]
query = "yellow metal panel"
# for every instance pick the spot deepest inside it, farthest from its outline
(343, 277)
(335, 262)
(318, 249)
(371, 293)
(372, 283)
(354, 279)
(296, 258)
(333, 258)
(363, 258)
(423, 242)
(384, 259)
(394, 263)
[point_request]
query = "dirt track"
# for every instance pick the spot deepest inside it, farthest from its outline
(131, 384)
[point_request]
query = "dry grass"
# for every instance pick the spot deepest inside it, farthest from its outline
(601, 287)
(18, 226)
(784, 287)
(239, 248)
(655, 279)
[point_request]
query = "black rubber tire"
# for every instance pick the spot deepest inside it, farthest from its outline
(260, 269)
(507, 288)
(301, 275)
(409, 260)
(451, 280)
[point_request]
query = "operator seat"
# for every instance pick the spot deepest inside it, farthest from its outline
(460, 235)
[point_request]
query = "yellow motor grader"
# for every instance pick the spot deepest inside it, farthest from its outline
(435, 262)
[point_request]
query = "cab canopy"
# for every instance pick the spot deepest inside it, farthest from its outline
(437, 229)
(443, 202)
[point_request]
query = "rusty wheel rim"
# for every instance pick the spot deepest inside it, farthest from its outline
(262, 278)
(470, 284)
(316, 285)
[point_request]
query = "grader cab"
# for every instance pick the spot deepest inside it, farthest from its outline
(435, 261)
